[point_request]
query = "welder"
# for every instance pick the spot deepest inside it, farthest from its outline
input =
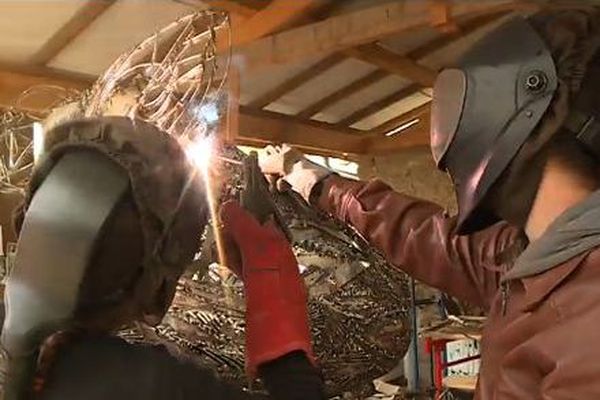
(113, 215)
(516, 125)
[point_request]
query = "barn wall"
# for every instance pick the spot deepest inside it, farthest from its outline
(412, 172)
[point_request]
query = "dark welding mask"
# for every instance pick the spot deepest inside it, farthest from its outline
(485, 108)
(72, 223)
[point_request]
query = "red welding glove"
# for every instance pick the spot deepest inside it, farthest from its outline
(276, 311)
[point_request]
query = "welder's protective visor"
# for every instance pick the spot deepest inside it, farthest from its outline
(485, 108)
(446, 110)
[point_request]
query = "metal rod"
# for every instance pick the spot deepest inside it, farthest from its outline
(229, 160)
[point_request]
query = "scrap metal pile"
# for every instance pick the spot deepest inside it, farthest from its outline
(359, 304)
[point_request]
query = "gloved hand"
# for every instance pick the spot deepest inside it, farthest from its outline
(276, 311)
(293, 167)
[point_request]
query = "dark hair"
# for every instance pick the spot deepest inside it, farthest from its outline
(571, 155)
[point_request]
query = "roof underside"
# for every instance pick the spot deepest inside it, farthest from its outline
(360, 89)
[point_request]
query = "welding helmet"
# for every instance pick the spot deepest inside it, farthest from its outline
(108, 192)
(484, 110)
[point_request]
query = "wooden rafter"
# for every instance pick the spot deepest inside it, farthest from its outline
(466, 28)
(80, 21)
(259, 127)
(394, 63)
(255, 126)
(277, 15)
(353, 29)
(379, 105)
(296, 81)
(343, 93)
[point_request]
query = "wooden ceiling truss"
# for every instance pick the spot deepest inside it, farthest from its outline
(259, 29)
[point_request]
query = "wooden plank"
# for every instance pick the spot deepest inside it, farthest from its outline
(394, 63)
(277, 15)
(261, 127)
(343, 93)
(378, 105)
(229, 126)
(464, 383)
(297, 81)
(352, 29)
(82, 19)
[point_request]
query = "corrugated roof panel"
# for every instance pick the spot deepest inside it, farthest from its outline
(403, 44)
(362, 98)
(259, 83)
(122, 26)
(322, 85)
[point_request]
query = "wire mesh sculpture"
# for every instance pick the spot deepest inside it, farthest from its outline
(16, 150)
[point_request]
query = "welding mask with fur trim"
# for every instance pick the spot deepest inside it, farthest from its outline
(113, 214)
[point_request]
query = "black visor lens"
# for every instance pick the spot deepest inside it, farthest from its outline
(449, 95)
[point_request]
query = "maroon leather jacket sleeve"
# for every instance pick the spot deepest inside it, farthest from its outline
(418, 237)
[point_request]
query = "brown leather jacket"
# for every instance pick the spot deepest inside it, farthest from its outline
(539, 339)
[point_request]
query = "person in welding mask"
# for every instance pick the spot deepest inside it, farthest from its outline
(114, 212)
(516, 125)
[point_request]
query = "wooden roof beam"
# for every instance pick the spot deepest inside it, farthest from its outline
(277, 15)
(466, 28)
(80, 21)
(259, 127)
(255, 127)
(352, 29)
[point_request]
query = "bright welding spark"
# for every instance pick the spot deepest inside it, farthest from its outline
(208, 112)
(200, 153)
